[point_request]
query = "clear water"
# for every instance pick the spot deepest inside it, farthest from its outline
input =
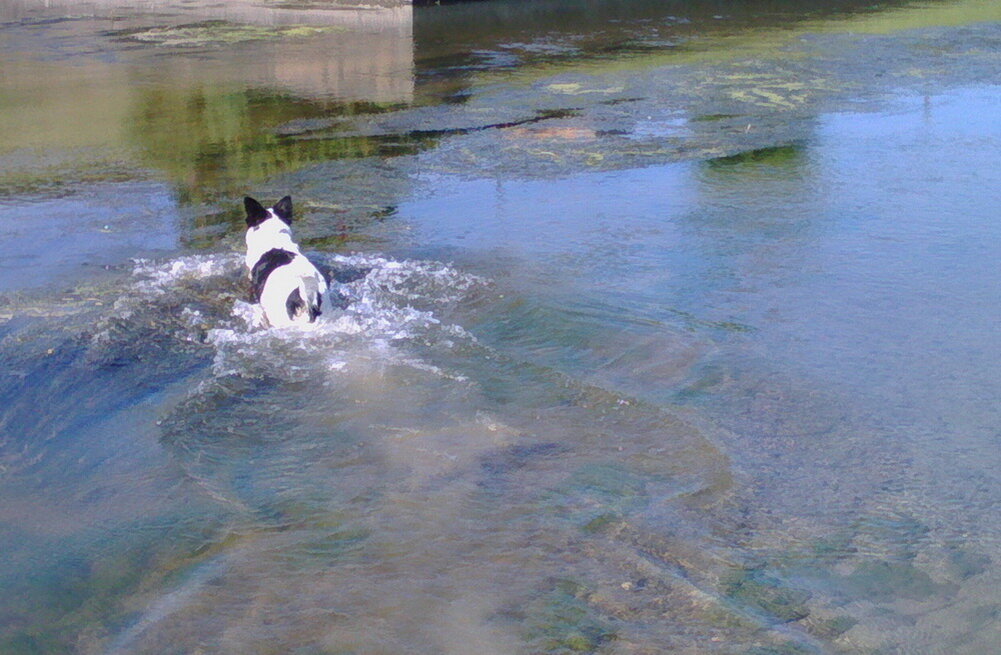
(660, 327)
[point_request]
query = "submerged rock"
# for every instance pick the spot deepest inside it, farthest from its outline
(885, 580)
(766, 594)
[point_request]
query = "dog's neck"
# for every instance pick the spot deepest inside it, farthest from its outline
(272, 233)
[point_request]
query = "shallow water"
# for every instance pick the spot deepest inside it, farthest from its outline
(658, 327)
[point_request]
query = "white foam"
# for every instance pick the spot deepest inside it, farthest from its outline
(410, 280)
(390, 309)
(154, 276)
(391, 306)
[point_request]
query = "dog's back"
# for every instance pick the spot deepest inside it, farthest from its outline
(288, 287)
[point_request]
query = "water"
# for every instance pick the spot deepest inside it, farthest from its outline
(659, 327)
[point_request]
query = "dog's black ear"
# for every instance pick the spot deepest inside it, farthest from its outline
(283, 209)
(256, 213)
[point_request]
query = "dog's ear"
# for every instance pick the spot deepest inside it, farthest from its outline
(256, 213)
(283, 209)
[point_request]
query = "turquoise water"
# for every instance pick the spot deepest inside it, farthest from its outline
(661, 327)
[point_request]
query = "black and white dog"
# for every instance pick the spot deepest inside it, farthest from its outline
(286, 284)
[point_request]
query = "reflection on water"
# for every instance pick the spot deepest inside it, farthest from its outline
(196, 91)
(711, 368)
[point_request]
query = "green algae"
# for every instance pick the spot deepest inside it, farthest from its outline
(832, 627)
(776, 43)
(601, 522)
(784, 156)
(60, 178)
(219, 33)
(766, 594)
(596, 495)
(562, 621)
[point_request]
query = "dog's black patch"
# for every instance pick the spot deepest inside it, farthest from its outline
(283, 209)
(296, 304)
(265, 266)
(256, 213)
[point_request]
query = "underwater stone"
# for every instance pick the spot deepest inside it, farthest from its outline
(780, 649)
(894, 536)
(834, 627)
(984, 617)
(964, 564)
(600, 522)
(513, 458)
(885, 580)
(25, 643)
(833, 548)
(598, 494)
(766, 594)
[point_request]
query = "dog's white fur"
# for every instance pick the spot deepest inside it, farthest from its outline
(298, 274)
(272, 233)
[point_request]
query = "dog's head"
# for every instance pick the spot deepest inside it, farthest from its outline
(258, 215)
(268, 228)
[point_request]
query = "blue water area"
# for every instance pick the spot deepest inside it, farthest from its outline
(50, 240)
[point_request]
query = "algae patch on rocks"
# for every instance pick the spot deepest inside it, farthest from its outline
(218, 32)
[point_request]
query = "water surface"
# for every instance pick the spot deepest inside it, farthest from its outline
(660, 327)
